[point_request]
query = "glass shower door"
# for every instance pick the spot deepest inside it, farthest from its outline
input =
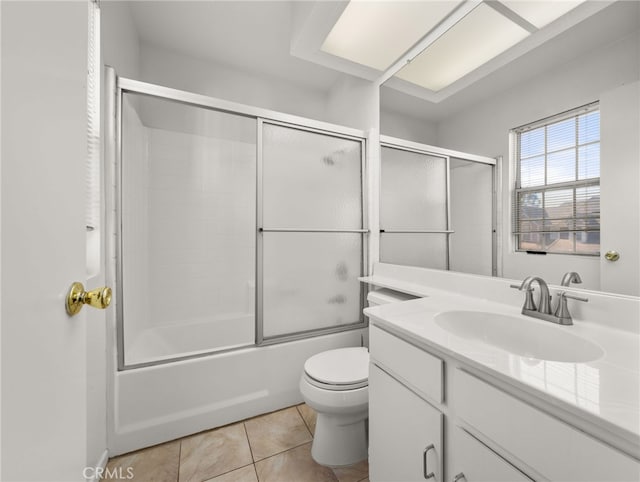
(187, 236)
(311, 240)
(414, 211)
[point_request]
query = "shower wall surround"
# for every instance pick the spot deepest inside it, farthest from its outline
(189, 204)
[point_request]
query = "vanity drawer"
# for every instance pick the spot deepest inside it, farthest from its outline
(553, 448)
(421, 370)
(478, 463)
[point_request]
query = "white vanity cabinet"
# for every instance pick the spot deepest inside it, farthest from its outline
(405, 433)
(473, 430)
(472, 461)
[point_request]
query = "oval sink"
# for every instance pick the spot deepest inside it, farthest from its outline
(520, 336)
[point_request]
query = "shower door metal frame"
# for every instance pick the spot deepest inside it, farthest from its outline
(115, 88)
(447, 154)
(261, 340)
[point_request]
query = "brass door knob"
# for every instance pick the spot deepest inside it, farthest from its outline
(78, 297)
(612, 256)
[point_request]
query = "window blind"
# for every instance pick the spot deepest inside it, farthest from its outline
(92, 167)
(556, 203)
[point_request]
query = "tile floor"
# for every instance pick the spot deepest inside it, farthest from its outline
(275, 447)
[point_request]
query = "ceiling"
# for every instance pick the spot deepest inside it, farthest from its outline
(252, 36)
(270, 37)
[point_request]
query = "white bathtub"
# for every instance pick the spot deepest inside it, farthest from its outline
(190, 338)
(158, 403)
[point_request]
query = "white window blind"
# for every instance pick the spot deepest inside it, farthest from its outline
(92, 171)
(556, 202)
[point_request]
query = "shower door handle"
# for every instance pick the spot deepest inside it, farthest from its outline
(77, 297)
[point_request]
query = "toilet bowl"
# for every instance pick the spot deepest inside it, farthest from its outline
(335, 384)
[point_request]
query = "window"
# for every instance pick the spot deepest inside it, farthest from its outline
(557, 193)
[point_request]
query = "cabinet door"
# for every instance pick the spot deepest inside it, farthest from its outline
(405, 433)
(472, 461)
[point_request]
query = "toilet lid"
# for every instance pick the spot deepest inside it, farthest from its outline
(344, 366)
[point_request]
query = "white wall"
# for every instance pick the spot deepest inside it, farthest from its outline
(483, 129)
(120, 44)
(166, 68)
(407, 127)
(354, 102)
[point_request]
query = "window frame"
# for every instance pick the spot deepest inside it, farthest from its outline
(517, 189)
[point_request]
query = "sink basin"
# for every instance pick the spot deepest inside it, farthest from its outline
(520, 336)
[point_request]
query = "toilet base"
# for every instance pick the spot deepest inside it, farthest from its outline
(340, 440)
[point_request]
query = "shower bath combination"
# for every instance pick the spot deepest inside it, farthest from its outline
(237, 229)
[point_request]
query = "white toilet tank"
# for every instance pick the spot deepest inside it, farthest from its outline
(383, 296)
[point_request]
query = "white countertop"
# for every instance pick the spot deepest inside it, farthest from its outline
(604, 392)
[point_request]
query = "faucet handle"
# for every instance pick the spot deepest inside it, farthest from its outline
(528, 300)
(574, 297)
(519, 287)
(562, 310)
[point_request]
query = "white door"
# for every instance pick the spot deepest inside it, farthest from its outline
(44, 147)
(472, 461)
(620, 190)
(405, 433)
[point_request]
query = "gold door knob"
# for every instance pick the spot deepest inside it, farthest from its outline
(77, 297)
(612, 256)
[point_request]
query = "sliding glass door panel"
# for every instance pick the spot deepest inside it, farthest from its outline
(310, 179)
(414, 249)
(188, 207)
(471, 245)
(413, 191)
(310, 281)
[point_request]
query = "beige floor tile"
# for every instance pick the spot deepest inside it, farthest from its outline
(276, 432)
(293, 465)
(153, 464)
(209, 454)
(309, 416)
(245, 474)
(353, 473)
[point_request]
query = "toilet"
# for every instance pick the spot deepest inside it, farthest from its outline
(335, 383)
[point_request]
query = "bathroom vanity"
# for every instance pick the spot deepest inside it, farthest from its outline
(454, 400)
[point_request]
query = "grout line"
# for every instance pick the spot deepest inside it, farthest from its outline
(179, 459)
(304, 421)
(284, 451)
(255, 469)
(228, 471)
(246, 434)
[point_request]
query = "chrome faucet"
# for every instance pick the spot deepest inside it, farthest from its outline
(543, 311)
(570, 277)
(544, 300)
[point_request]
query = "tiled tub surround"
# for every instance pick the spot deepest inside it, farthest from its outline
(273, 447)
(600, 397)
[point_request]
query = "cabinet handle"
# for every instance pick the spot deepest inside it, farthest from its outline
(458, 477)
(425, 472)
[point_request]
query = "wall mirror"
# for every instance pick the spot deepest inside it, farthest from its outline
(490, 68)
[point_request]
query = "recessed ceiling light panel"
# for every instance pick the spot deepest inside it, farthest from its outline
(377, 33)
(541, 12)
(477, 38)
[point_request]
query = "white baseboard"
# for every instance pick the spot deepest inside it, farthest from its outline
(96, 472)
